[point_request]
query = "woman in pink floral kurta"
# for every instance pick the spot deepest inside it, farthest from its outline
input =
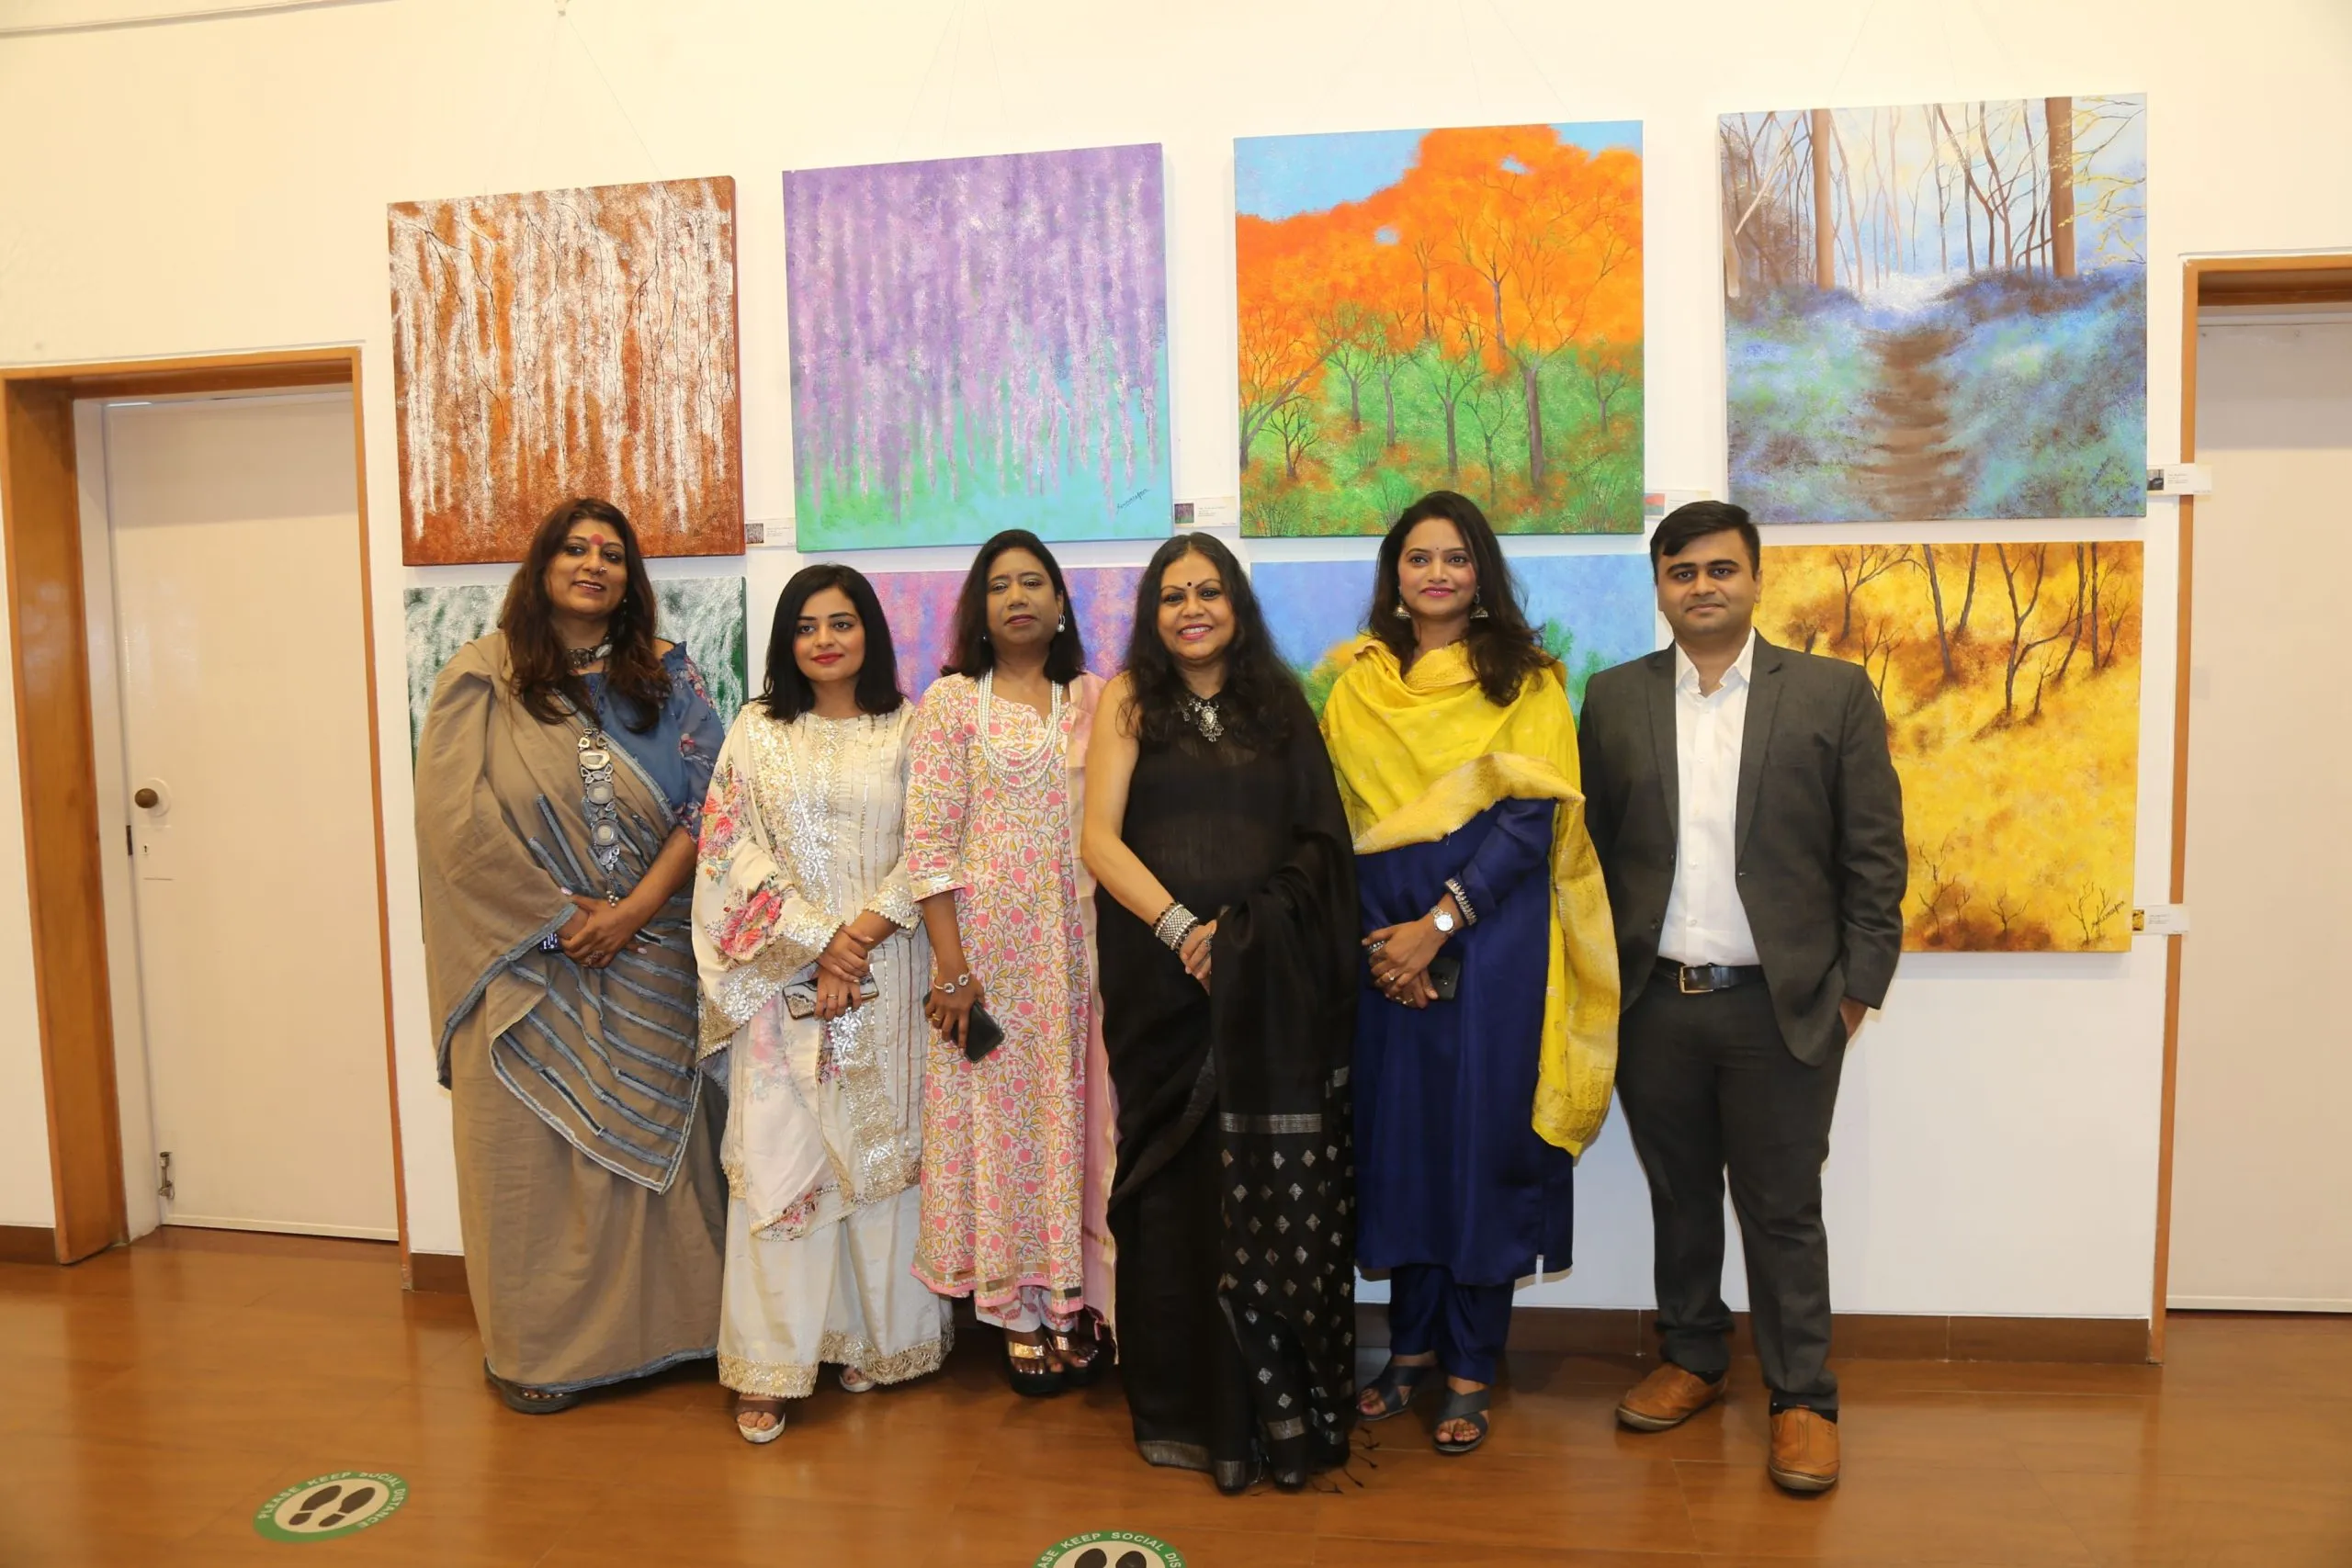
(991, 819)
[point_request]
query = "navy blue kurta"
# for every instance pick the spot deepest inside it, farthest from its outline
(1449, 1167)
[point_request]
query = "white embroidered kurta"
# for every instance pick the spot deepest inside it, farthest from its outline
(801, 833)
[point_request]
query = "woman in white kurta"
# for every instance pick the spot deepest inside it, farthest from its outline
(814, 968)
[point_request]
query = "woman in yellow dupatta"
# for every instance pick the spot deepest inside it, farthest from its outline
(1486, 1034)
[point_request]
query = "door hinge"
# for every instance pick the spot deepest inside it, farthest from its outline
(165, 1161)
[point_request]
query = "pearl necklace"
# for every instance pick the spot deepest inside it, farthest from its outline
(1019, 769)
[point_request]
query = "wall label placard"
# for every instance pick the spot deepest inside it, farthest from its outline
(1111, 1549)
(329, 1506)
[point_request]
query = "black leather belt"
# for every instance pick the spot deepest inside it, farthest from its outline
(1697, 979)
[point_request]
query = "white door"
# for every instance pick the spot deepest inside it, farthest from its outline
(2261, 1190)
(244, 718)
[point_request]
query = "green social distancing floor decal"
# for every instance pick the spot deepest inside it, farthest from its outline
(1111, 1549)
(328, 1506)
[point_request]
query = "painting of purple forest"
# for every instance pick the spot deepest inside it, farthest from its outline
(980, 343)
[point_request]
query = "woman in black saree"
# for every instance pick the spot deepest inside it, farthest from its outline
(1226, 908)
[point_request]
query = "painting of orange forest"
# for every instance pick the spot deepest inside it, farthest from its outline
(1458, 308)
(2010, 676)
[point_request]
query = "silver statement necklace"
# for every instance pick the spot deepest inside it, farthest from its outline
(582, 657)
(1019, 768)
(1202, 712)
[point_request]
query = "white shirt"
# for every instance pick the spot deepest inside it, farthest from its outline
(1705, 922)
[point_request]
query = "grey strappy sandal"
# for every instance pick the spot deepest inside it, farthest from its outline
(1395, 1386)
(1460, 1406)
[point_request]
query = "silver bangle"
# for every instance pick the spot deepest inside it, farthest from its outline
(1461, 901)
(948, 988)
(1175, 923)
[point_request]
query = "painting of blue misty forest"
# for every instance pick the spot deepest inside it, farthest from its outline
(1938, 311)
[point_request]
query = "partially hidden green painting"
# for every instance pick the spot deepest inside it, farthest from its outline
(706, 614)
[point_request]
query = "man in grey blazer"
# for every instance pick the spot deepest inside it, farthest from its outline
(1750, 826)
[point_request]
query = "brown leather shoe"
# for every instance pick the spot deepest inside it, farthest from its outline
(1804, 1451)
(1667, 1397)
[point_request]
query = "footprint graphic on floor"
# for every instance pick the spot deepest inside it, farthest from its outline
(337, 1503)
(1099, 1557)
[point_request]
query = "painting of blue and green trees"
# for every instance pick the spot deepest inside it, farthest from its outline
(1937, 310)
(1591, 610)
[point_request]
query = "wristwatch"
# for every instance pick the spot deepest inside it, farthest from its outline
(1444, 922)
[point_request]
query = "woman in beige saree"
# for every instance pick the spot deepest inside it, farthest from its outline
(558, 776)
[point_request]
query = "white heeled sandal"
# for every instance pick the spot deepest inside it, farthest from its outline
(759, 1434)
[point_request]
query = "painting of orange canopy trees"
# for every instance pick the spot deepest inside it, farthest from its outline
(2010, 676)
(1440, 309)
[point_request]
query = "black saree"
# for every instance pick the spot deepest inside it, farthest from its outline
(1234, 1204)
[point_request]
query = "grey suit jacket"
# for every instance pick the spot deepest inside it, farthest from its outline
(1818, 834)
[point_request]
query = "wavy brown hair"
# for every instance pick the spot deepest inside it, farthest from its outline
(1504, 650)
(545, 682)
(1260, 700)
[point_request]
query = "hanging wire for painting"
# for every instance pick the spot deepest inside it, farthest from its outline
(2008, 56)
(923, 88)
(1535, 61)
(1855, 43)
(563, 10)
(996, 70)
(1469, 55)
(535, 109)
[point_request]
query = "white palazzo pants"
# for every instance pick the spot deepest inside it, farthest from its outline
(845, 1294)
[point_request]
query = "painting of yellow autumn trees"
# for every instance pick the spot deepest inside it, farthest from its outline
(2010, 676)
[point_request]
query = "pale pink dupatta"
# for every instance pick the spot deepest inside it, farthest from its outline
(1100, 1253)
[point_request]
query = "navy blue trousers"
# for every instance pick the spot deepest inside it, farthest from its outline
(1465, 1324)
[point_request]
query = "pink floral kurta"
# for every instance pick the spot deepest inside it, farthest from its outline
(1005, 1155)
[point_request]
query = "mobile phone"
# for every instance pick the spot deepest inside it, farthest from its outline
(1445, 975)
(800, 998)
(982, 1034)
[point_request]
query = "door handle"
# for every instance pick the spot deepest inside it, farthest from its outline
(146, 799)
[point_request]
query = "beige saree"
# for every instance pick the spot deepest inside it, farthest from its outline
(588, 1191)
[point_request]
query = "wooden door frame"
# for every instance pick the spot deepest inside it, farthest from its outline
(49, 654)
(2311, 279)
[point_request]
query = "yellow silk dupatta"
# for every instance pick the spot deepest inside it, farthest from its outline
(1417, 755)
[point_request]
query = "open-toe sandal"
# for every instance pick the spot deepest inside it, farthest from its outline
(527, 1401)
(856, 1382)
(1080, 1355)
(1396, 1386)
(1027, 1368)
(750, 1405)
(1461, 1406)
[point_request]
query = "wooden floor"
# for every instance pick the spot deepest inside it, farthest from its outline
(152, 1399)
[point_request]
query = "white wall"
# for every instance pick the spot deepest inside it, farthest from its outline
(220, 186)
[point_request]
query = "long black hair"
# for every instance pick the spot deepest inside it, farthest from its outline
(788, 692)
(1504, 651)
(1260, 700)
(970, 652)
(544, 680)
